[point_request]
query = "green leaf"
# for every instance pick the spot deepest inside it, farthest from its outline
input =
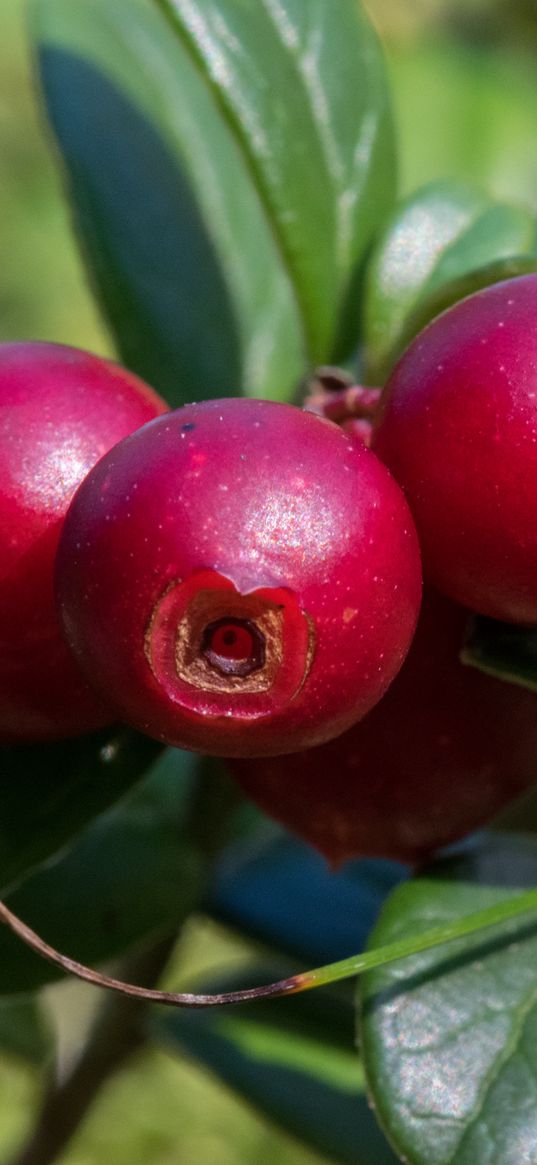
(177, 243)
(449, 1035)
(304, 88)
(225, 190)
(457, 289)
(48, 793)
(502, 649)
(23, 1030)
(294, 1061)
(127, 878)
(445, 241)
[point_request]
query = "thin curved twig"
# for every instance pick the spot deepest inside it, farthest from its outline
(168, 998)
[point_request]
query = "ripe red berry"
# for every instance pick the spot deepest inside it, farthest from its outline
(239, 578)
(60, 410)
(442, 752)
(458, 428)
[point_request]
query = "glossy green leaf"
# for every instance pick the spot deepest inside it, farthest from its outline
(303, 86)
(127, 877)
(294, 1060)
(48, 793)
(24, 1031)
(450, 1036)
(446, 240)
(457, 289)
(502, 649)
(227, 165)
(177, 243)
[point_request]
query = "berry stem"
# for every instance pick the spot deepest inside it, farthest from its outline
(332, 394)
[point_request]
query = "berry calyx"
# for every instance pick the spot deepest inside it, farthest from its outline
(331, 393)
(457, 426)
(239, 578)
(445, 749)
(61, 409)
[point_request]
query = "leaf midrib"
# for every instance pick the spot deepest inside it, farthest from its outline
(168, 9)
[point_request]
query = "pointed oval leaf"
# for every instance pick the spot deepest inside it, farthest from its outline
(449, 1036)
(295, 1062)
(176, 239)
(48, 793)
(130, 875)
(228, 166)
(427, 257)
(304, 87)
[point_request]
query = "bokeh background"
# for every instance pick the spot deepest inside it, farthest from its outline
(464, 79)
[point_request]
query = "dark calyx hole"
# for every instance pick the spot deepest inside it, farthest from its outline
(235, 647)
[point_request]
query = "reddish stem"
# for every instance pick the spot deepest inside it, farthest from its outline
(332, 394)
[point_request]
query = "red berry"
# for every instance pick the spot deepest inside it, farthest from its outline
(240, 578)
(60, 410)
(442, 752)
(458, 429)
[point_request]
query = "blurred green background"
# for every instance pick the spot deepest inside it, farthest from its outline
(464, 77)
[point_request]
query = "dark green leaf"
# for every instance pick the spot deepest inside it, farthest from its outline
(49, 792)
(177, 242)
(450, 1036)
(279, 891)
(503, 650)
(294, 1060)
(127, 877)
(228, 166)
(445, 241)
(23, 1030)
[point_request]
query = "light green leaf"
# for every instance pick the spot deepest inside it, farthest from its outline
(446, 240)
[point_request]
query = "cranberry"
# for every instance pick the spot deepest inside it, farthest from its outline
(239, 578)
(442, 752)
(60, 410)
(458, 428)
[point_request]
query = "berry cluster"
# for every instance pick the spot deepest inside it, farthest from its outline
(243, 578)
